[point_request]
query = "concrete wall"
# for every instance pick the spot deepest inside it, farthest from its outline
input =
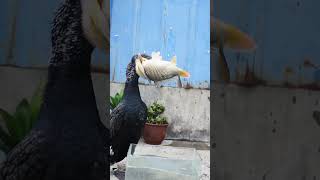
(18, 83)
(188, 110)
(265, 133)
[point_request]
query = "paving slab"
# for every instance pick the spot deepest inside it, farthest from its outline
(117, 171)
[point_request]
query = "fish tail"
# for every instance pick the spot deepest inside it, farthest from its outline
(183, 73)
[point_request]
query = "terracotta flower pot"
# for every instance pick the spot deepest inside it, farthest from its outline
(154, 133)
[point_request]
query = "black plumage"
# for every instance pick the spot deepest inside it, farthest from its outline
(68, 141)
(129, 117)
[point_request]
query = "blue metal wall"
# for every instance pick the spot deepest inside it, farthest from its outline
(25, 28)
(287, 34)
(173, 27)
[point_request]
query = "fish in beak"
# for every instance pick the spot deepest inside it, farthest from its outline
(139, 68)
(228, 36)
(96, 22)
(224, 35)
(156, 69)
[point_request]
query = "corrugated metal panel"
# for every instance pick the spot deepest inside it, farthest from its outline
(287, 36)
(173, 27)
(25, 33)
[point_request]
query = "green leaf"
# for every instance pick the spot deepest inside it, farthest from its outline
(35, 106)
(154, 114)
(116, 99)
(22, 118)
(36, 102)
(21, 122)
(9, 121)
(5, 137)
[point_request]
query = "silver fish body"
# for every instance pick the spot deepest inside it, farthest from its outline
(157, 69)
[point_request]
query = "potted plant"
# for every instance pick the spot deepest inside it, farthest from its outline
(156, 127)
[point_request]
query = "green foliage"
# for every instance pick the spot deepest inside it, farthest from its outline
(18, 125)
(155, 114)
(116, 99)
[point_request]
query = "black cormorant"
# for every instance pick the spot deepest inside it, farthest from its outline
(128, 118)
(68, 142)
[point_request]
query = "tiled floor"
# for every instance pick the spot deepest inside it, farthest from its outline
(117, 171)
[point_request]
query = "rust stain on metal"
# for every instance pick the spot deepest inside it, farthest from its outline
(288, 72)
(188, 86)
(294, 100)
(249, 79)
(12, 36)
(309, 86)
(316, 117)
(307, 63)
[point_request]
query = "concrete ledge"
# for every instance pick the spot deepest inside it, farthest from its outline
(188, 110)
(18, 83)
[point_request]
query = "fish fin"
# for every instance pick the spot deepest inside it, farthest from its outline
(235, 38)
(174, 60)
(183, 73)
(156, 56)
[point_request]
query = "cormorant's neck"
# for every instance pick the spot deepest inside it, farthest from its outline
(69, 45)
(69, 88)
(132, 86)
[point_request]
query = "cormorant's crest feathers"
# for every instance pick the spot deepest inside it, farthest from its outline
(133, 59)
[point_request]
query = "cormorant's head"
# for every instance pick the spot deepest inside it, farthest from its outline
(133, 68)
(96, 22)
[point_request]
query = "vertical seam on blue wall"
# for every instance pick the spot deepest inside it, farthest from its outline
(164, 25)
(193, 11)
(136, 25)
(12, 32)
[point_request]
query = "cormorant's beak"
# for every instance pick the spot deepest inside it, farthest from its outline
(230, 36)
(142, 59)
(96, 22)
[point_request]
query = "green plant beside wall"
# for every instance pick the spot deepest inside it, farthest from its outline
(155, 112)
(18, 125)
(116, 99)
